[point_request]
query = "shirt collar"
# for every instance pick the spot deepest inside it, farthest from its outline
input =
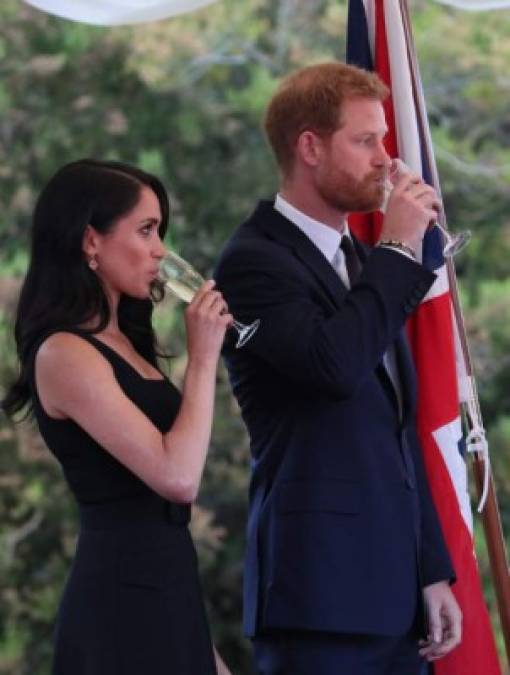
(325, 238)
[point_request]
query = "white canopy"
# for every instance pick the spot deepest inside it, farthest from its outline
(476, 5)
(117, 12)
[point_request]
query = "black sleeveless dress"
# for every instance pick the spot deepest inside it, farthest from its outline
(132, 604)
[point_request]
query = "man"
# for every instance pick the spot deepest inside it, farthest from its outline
(344, 553)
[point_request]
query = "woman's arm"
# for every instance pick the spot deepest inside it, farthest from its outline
(75, 381)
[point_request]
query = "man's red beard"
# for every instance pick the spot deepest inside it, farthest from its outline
(342, 191)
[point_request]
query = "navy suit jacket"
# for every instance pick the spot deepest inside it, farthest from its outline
(341, 529)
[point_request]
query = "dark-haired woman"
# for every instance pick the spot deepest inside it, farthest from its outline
(131, 447)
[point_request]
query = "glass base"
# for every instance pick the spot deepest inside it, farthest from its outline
(456, 242)
(245, 332)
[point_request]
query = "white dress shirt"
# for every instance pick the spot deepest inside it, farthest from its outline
(325, 238)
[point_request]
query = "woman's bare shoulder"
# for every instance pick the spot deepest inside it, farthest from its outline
(65, 350)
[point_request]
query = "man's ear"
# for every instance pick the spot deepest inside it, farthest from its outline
(309, 148)
(90, 243)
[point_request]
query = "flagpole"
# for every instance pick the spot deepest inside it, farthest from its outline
(483, 476)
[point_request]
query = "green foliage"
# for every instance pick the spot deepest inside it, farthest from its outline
(184, 98)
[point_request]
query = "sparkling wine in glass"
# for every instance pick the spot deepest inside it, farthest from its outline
(453, 242)
(183, 281)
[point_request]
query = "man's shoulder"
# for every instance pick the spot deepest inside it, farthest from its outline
(255, 237)
(259, 225)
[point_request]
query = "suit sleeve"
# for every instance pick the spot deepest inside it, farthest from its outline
(330, 349)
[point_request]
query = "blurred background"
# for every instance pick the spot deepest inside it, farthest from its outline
(184, 98)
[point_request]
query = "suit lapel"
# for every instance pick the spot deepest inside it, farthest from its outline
(278, 228)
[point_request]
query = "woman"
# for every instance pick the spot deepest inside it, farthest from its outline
(131, 448)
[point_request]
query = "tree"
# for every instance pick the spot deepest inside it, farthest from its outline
(184, 98)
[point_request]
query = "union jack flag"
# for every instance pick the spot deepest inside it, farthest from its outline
(379, 38)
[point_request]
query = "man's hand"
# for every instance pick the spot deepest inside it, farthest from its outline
(444, 621)
(412, 206)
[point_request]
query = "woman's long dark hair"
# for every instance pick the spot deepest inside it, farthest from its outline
(60, 290)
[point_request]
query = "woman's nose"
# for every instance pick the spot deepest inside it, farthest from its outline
(159, 249)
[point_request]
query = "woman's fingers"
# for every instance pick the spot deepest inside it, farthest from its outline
(202, 291)
(212, 301)
(209, 302)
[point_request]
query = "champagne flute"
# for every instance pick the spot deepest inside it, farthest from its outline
(183, 281)
(453, 242)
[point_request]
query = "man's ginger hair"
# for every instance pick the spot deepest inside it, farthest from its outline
(312, 99)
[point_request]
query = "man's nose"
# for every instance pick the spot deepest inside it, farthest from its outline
(382, 158)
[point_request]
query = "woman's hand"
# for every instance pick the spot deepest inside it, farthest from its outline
(220, 664)
(207, 318)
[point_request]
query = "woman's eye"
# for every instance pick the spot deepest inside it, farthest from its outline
(146, 230)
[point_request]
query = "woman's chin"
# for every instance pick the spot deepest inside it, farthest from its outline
(139, 293)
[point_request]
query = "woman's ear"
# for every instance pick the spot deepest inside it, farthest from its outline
(90, 247)
(90, 243)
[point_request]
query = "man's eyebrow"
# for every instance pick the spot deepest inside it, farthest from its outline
(368, 132)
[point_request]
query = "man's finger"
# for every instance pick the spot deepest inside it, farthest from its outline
(435, 624)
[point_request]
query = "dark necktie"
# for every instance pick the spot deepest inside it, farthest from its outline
(353, 266)
(352, 262)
